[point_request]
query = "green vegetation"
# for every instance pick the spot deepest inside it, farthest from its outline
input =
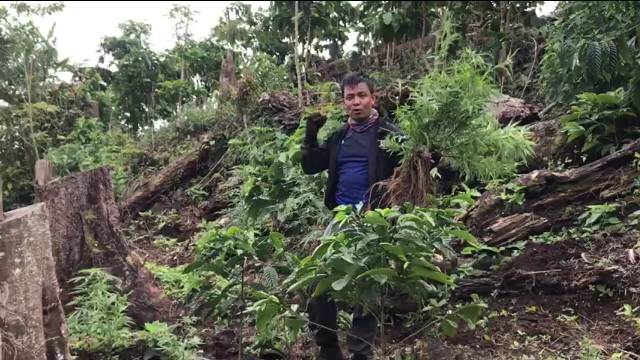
(240, 245)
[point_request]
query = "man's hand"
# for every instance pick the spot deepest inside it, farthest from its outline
(315, 121)
(432, 158)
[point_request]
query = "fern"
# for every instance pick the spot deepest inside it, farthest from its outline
(593, 60)
(270, 278)
(591, 48)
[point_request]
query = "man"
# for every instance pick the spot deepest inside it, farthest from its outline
(355, 162)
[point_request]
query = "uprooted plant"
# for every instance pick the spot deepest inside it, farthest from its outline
(449, 115)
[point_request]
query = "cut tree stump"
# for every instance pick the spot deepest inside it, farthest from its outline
(32, 321)
(44, 172)
(552, 200)
(85, 231)
(181, 170)
(84, 223)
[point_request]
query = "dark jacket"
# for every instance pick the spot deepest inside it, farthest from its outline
(319, 157)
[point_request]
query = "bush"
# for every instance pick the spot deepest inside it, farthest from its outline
(592, 47)
(99, 326)
(99, 323)
(89, 146)
(600, 123)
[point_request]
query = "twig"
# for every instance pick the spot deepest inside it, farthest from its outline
(633, 355)
(541, 272)
(533, 65)
(399, 343)
(240, 349)
(549, 107)
(211, 171)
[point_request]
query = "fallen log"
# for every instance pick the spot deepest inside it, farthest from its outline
(509, 109)
(282, 108)
(566, 267)
(552, 200)
(181, 170)
(32, 321)
(85, 231)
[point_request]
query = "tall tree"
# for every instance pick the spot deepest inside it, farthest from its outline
(136, 78)
(296, 21)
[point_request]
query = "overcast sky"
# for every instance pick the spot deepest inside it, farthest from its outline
(81, 25)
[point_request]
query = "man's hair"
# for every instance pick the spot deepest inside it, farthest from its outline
(353, 79)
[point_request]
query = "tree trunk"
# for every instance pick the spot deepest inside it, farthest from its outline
(44, 171)
(1, 209)
(181, 170)
(553, 200)
(295, 51)
(85, 232)
(307, 58)
(509, 109)
(32, 321)
(228, 80)
(388, 62)
(424, 30)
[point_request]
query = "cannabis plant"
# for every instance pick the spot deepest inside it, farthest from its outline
(99, 323)
(449, 115)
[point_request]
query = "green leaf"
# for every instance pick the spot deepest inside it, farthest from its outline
(395, 250)
(380, 275)
(433, 275)
(375, 218)
(387, 18)
(323, 286)
(471, 313)
(257, 207)
(265, 316)
(471, 240)
(302, 282)
(321, 249)
(277, 240)
(342, 283)
(424, 263)
(449, 327)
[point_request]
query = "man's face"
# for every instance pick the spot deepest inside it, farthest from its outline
(359, 101)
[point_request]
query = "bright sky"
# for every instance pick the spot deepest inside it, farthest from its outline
(82, 24)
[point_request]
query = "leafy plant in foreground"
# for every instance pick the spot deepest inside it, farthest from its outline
(274, 188)
(229, 255)
(384, 252)
(99, 326)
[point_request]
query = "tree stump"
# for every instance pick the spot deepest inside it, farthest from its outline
(32, 322)
(44, 172)
(85, 232)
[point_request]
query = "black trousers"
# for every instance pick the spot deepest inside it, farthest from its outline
(324, 312)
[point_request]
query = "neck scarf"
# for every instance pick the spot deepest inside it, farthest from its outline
(364, 125)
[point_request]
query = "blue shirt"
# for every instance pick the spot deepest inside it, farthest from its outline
(353, 167)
